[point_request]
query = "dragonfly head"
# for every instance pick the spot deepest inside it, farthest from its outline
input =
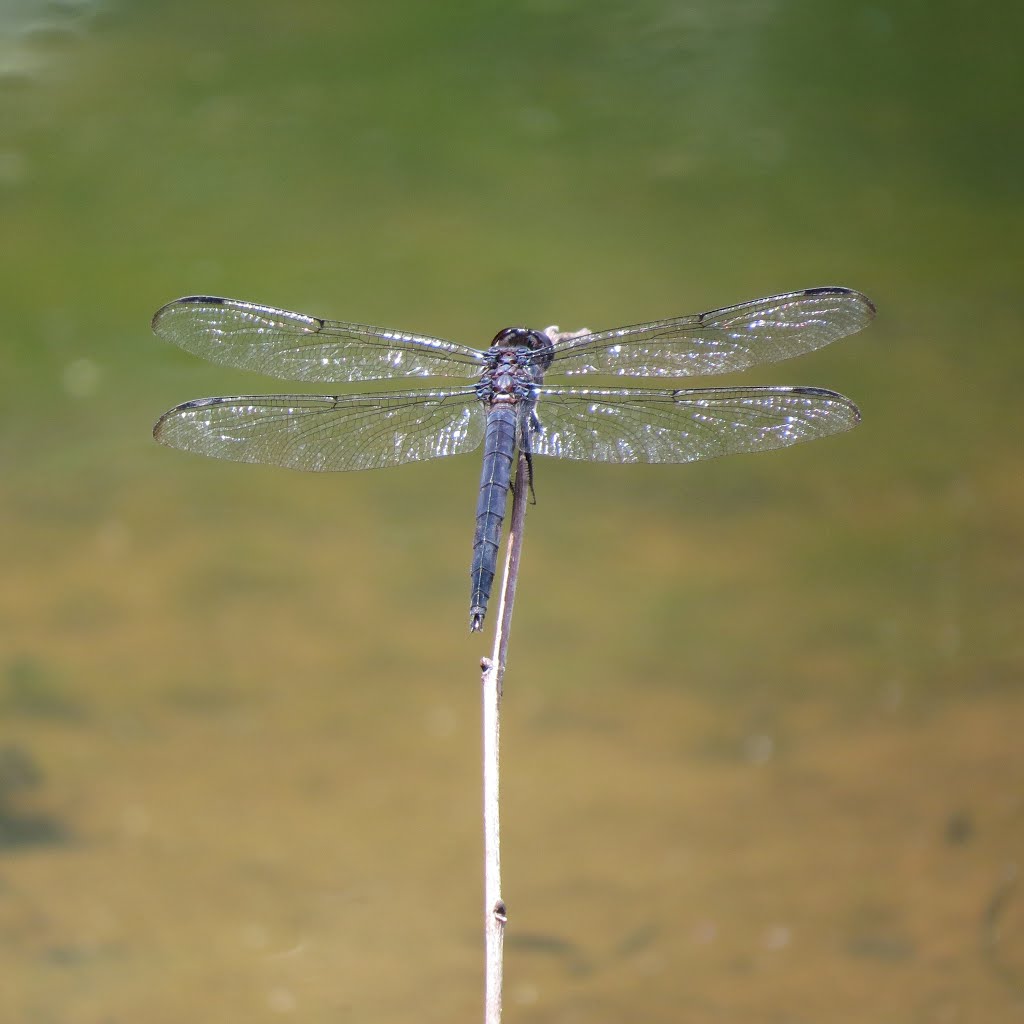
(537, 343)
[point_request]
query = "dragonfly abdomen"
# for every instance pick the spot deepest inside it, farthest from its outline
(499, 452)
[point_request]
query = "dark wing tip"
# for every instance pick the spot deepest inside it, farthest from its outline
(207, 300)
(829, 289)
(195, 403)
(840, 290)
(833, 396)
(159, 425)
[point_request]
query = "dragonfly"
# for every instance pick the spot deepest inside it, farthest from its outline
(499, 396)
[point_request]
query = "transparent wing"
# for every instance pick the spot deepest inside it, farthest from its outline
(722, 341)
(632, 425)
(294, 346)
(328, 433)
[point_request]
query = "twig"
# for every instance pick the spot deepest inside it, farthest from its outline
(493, 674)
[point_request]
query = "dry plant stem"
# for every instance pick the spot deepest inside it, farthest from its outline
(494, 671)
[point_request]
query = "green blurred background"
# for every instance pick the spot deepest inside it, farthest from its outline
(762, 744)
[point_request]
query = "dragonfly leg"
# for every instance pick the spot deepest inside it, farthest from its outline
(529, 476)
(535, 427)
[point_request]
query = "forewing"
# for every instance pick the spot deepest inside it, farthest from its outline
(725, 340)
(294, 346)
(326, 433)
(633, 425)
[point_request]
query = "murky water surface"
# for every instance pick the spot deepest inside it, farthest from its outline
(762, 740)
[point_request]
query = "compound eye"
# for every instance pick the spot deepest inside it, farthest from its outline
(537, 340)
(514, 336)
(507, 336)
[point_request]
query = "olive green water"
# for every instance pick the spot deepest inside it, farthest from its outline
(762, 740)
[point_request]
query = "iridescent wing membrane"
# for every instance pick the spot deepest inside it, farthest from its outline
(722, 341)
(387, 428)
(293, 346)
